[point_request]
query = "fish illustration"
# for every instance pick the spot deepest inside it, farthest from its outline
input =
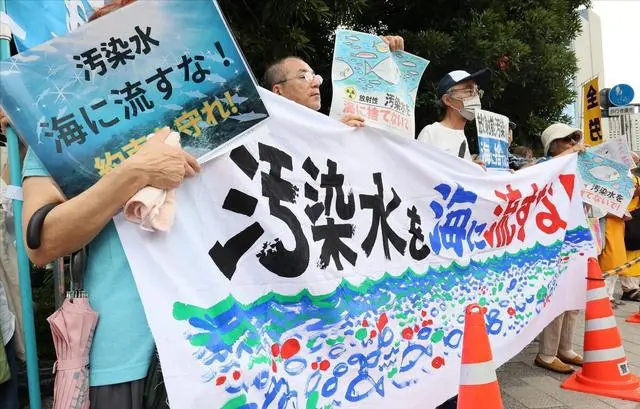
(605, 173)
(386, 70)
(382, 47)
(353, 38)
(341, 70)
(375, 82)
(365, 54)
(414, 73)
(408, 64)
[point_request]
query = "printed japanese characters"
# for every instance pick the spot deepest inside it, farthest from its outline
(84, 102)
(493, 139)
(592, 126)
(317, 278)
(371, 81)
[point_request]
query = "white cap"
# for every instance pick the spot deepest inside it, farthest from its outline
(555, 132)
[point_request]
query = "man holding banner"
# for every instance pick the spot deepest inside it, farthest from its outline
(292, 78)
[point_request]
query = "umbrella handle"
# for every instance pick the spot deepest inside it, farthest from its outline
(77, 267)
(34, 227)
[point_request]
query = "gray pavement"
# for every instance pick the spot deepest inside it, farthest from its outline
(525, 386)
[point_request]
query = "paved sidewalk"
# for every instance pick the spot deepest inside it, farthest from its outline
(525, 386)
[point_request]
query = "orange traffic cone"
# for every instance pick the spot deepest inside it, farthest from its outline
(634, 318)
(478, 381)
(605, 370)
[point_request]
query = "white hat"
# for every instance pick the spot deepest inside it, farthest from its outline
(555, 132)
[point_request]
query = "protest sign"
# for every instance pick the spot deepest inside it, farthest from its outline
(607, 184)
(38, 21)
(86, 101)
(331, 268)
(592, 126)
(493, 139)
(371, 81)
(615, 149)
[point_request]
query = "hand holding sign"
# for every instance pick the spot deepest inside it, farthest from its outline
(163, 166)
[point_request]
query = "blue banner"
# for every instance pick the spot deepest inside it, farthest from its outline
(38, 21)
(86, 101)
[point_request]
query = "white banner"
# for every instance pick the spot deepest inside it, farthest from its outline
(323, 266)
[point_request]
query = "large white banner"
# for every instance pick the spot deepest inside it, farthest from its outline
(318, 266)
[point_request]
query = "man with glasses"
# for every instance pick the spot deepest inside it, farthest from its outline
(459, 96)
(292, 78)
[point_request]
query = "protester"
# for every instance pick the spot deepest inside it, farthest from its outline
(10, 326)
(122, 345)
(458, 96)
(630, 279)
(292, 78)
(519, 156)
(556, 340)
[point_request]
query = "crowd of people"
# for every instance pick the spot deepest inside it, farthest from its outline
(123, 345)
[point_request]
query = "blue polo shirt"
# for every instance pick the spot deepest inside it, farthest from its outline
(122, 344)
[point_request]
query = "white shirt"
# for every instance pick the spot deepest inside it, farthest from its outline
(447, 139)
(7, 319)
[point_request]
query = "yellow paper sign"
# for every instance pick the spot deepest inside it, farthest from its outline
(592, 124)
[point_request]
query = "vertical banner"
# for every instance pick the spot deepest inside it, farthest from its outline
(86, 101)
(493, 139)
(592, 126)
(371, 81)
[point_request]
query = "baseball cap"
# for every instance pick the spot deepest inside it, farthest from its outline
(481, 78)
(555, 132)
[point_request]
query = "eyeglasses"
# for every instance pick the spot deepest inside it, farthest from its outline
(309, 76)
(574, 137)
(467, 92)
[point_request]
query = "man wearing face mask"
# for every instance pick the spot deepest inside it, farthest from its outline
(459, 96)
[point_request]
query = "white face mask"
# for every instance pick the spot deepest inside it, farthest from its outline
(470, 106)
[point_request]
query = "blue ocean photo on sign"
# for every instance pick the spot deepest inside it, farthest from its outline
(35, 21)
(87, 100)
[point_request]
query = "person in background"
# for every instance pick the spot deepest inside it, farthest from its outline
(630, 279)
(122, 346)
(556, 340)
(519, 156)
(10, 325)
(292, 78)
(459, 95)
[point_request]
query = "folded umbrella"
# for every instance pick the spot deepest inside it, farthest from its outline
(72, 328)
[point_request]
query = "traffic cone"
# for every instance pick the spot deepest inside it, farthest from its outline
(634, 318)
(478, 381)
(605, 370)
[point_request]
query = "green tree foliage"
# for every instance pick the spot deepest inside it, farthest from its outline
(526, 43)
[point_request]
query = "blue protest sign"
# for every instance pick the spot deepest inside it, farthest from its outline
(86, 101)
(607, 184)
(621, 94)
(493, 139)
(375, 83)
(38, 21)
